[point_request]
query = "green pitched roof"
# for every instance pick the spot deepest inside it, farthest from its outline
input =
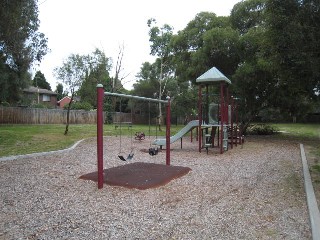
(213, 75)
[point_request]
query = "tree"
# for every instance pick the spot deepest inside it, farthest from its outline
(294, 38)
(59, 91)
(40, 81)
(254, 81)
(187, 44)
(248, 14)
(309, 16)
(20, 46)
(72, 73)
(160, 46)
(97, 72)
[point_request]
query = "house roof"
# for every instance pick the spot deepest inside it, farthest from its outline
(213, 75)
(33, 89)
(66, 97)
(75, 98)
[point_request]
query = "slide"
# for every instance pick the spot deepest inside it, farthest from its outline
(180, 134)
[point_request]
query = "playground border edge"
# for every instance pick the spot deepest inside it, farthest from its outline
(15, 157)
(311, 198)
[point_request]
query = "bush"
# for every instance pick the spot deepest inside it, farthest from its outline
(261, 129)
(39, 105)
(79, 106)
(5, 104)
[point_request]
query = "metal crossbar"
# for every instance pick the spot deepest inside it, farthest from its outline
(136, 97)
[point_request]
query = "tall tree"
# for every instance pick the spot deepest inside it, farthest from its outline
(97, 72)
(309, 16)
(72, 73)
(248, 14)
(193, 48)
(291, 32)
(20, 45)
(59, 91)
(40, 81)
(253, 80)
(160, 38)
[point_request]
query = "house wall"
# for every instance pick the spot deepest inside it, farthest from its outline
(33, 98)
(51, 103)
(63, 102)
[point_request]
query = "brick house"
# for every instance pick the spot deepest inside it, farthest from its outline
(64, 101)
(36, 95)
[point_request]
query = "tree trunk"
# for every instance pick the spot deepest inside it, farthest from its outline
(160, 118)
(160, 93)
(68, 116)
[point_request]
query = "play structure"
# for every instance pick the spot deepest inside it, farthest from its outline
(217, 115)
(217, 118)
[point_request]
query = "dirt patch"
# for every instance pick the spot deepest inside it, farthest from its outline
(139, 175)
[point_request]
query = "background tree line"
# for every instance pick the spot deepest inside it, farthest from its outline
(269, 49)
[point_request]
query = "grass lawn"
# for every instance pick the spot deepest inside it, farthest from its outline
(23, 139)
(299, 130)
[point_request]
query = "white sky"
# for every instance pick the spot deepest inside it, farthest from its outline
(80, 26)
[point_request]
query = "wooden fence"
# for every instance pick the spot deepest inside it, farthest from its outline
(26, 115)
(23, 115)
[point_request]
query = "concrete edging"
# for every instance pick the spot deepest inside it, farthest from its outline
(311, 198)
(10, 158)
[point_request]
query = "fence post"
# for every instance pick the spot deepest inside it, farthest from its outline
(100, 94)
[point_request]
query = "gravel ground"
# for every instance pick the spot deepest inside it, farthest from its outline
(251, 192)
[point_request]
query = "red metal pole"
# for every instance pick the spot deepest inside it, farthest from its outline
(100, 94)
(200, 116)
(231, 120)
(222, 110)
(168, 133)
(237, 122)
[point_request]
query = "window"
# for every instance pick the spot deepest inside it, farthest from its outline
(45, 98)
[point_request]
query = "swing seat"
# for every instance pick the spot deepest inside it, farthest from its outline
(121, 158)
(130, 156)
(153, 151)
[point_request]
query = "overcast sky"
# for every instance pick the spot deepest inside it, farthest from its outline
(74, 26)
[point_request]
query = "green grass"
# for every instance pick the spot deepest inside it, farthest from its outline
(299, 130)
(23, 139)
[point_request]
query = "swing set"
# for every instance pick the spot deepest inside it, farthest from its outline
(138, 136)
(152, 151)
(120, 154)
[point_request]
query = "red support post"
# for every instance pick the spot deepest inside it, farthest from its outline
(231, 120)
(222, 115)
(168, 123)
(100, 95)
(200, 116)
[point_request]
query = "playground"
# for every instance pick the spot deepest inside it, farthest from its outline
(254, 191)
(201, 182)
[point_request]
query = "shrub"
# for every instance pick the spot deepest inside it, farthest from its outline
(79, 106)
(261, 129)
(39, 105)
(5, 104)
